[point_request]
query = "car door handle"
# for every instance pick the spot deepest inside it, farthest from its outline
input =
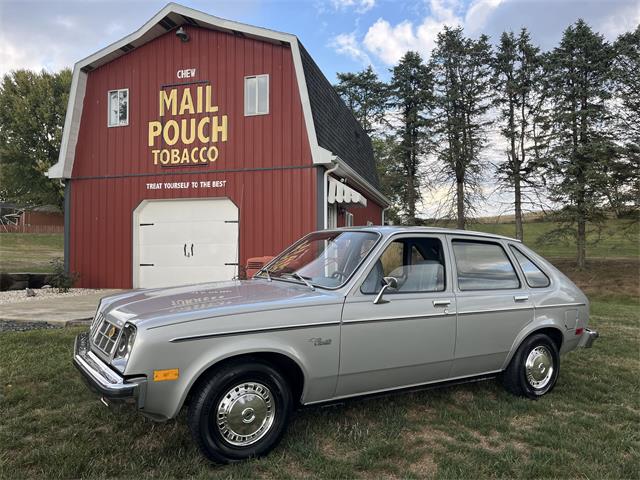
(441, 303)
(520, 298)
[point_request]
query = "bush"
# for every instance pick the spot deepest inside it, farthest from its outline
(60, 278)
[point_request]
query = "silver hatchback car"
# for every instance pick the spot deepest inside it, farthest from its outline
(340, 313)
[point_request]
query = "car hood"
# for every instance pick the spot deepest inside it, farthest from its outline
(205, 300)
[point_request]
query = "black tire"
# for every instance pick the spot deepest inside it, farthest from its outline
(203, 410)
(515, 378)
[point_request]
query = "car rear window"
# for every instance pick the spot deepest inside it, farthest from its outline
(535, 277)
(483, 266)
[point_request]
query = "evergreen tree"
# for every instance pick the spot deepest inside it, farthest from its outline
(390, 172)
(411, 97)
(365, 96)
(32, 110)
(518, 74)
(581, 150)
(624, 176)
(462, 69)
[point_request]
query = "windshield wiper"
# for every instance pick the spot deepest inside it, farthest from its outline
(266, 271)
(306, 282)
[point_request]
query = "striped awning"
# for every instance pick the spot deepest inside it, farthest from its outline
(341, 193)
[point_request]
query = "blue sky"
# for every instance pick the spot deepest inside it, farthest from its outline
(342, 35)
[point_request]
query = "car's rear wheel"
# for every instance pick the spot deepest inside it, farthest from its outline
(240, 411)
(533, 370)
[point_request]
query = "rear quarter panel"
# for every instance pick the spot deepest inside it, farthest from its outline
(561, 305)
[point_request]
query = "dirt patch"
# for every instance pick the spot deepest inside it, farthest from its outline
(425, 467)
(523, 422)
(618, 277)
(462, 396)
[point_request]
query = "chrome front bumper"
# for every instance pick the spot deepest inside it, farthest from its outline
(103, 379)
(587, 338)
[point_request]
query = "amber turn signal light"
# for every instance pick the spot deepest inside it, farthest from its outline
(164, 375)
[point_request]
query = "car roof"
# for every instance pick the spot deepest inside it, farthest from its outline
(387, 230)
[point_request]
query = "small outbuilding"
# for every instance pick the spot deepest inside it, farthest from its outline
(196, 143)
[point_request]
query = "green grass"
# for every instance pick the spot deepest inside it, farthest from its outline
(29, 252)
(51, 426)
(617, 238)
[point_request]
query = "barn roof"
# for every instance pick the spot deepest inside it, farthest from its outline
(335, 136)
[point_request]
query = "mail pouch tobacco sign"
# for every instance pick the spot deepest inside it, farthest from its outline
(189, 116)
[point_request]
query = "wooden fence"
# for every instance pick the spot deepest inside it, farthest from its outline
(31, 228)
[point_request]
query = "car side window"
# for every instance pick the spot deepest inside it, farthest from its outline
(417, 263)
(535, 277)
(483, 266)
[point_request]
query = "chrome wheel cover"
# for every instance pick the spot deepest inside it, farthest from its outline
(245, 414)
(539, 367)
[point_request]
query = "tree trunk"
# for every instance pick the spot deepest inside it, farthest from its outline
(518, 207)
(460, 203)
(581, 241)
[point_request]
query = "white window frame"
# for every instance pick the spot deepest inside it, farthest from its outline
(247, 114)
(109, 107)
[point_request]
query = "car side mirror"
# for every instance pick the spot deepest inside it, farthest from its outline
(388, 283)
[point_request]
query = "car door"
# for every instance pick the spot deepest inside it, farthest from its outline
(409, 339)
(493, 304)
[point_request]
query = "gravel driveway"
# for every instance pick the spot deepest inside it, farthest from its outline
(17, 296)
(24, 326)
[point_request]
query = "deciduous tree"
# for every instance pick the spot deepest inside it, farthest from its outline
(32, 111)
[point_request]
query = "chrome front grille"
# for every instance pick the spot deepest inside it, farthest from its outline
(105, 335)
(97, 320)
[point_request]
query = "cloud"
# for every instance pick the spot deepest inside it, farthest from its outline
(620, 21)
(479, 13)
(388, 41)
(346, 44)
(360, 6)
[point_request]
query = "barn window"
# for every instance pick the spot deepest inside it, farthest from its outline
(118, 107)
(256, 95)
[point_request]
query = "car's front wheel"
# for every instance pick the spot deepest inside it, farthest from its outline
(240, 411)
(533, 370)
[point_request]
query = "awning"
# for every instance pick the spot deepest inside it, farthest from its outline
(341, 193)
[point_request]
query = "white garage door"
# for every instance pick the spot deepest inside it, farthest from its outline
(185, 241)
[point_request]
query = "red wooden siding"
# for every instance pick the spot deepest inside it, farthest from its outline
(361, 215)
(266, 161)
(271, 217)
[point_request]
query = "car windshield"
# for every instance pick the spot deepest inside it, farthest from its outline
(324, 259)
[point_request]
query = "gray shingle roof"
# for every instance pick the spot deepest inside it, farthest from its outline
(336, 128)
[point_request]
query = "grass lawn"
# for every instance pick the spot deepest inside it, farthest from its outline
(29, 252)
(588, 427)
(618, 238)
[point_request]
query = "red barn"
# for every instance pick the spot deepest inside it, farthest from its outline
(196, 143)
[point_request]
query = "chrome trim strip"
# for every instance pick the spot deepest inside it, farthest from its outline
(396, 318)
(445, 381)
(555, 305)
(491, 310)
(256, 330)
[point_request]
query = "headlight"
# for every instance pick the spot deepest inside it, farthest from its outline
(125, 344)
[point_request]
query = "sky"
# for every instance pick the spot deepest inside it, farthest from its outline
(341, 35)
